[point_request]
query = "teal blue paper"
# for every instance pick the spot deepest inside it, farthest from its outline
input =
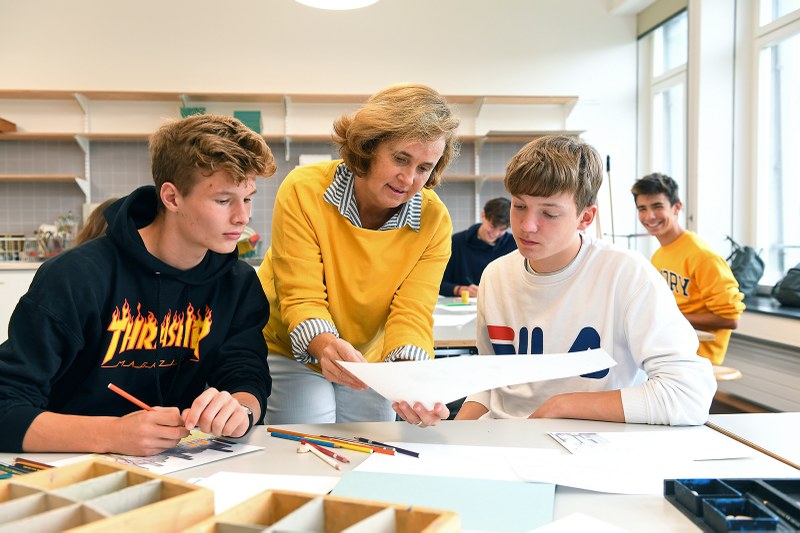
(483, 504)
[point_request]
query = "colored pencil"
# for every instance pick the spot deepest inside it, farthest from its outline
(298, 439)
(32, 463)
(349, 445)
(329, 453)
(395, 448)
(335, 440)
(11, 469)
(347, 442)
(319, 454)
(130, 397)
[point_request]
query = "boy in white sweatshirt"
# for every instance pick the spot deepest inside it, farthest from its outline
(563, 291)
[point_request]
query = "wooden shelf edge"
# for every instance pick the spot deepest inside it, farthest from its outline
(471, 177)
(490, 137)
(300, 98)
(39, 177)
(35, 136)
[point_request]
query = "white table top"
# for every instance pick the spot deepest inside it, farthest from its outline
(777, 432)
(634, 513)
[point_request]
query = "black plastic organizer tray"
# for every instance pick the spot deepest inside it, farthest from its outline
(722, 505)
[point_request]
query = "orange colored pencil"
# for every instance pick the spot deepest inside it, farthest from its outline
(130, 397)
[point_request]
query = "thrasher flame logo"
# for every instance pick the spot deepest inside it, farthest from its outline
(179, 330)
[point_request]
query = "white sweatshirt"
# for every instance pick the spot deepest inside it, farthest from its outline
(607, 297)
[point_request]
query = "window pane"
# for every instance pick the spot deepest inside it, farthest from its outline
(770, 10)
(669, 136)
(779, 167)
(670, 42)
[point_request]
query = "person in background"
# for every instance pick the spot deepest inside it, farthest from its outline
(160, 306)
(699, 278)
(359, 246)
(476, 247)
(564, 291)
(95, 225)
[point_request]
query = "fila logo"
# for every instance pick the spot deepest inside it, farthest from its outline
(503, 342)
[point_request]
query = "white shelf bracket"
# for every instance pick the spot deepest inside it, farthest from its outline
(85, 183)
(477, 206)
(287, 100)
(477, 147)
(85, 107)
(86, 188)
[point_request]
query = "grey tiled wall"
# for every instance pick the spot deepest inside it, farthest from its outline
(118, 168)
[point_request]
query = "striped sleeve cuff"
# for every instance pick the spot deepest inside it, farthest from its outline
(408, 352)
(302, 335)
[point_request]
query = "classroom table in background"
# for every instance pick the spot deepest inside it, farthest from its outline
(651, 513)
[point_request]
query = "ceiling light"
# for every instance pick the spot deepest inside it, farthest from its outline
(337, 4)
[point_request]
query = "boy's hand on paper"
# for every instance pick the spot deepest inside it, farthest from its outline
(328, 349)
(419, 416)
(217, 412)
(148, 432)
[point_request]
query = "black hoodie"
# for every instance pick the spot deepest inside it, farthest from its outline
(94, 315)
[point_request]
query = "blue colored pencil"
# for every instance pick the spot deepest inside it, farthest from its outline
(295, 437)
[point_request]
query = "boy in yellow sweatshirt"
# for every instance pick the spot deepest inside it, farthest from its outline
(699, 278)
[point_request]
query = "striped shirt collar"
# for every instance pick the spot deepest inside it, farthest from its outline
(341, 195)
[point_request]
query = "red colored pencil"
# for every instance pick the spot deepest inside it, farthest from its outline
(329, 453)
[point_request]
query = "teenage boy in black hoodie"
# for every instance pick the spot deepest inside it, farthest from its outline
(159, 306)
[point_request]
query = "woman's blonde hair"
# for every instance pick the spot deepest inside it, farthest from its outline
(407, 111)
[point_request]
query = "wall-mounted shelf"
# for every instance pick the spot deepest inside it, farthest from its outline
(47, 178)
(308, 110)
(472, 177)
(274, 98)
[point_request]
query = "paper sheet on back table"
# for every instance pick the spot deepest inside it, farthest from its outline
(447, 379)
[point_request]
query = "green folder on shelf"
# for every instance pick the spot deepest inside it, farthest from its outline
(483, 504)
(251, 119)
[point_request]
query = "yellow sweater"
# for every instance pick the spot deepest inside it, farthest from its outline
(701, 282)
(378, 287)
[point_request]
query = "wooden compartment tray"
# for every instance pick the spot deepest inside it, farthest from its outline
(98, 495)
(275, 510)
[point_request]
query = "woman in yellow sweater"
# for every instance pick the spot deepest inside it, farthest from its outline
(359, 246)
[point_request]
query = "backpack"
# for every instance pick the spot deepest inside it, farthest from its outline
(787, 290)
(747, 267)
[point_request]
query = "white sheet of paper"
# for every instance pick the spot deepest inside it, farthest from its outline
(616, 474)
(638, 462)
(232, 488)
(698, 443)
(579, 522)
(197, 449)
(450, 460)
(447, 379)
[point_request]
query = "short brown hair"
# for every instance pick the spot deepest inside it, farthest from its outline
(406, 111)
(208, 143)
(551, 165)
(655, 184)
(498, 211)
